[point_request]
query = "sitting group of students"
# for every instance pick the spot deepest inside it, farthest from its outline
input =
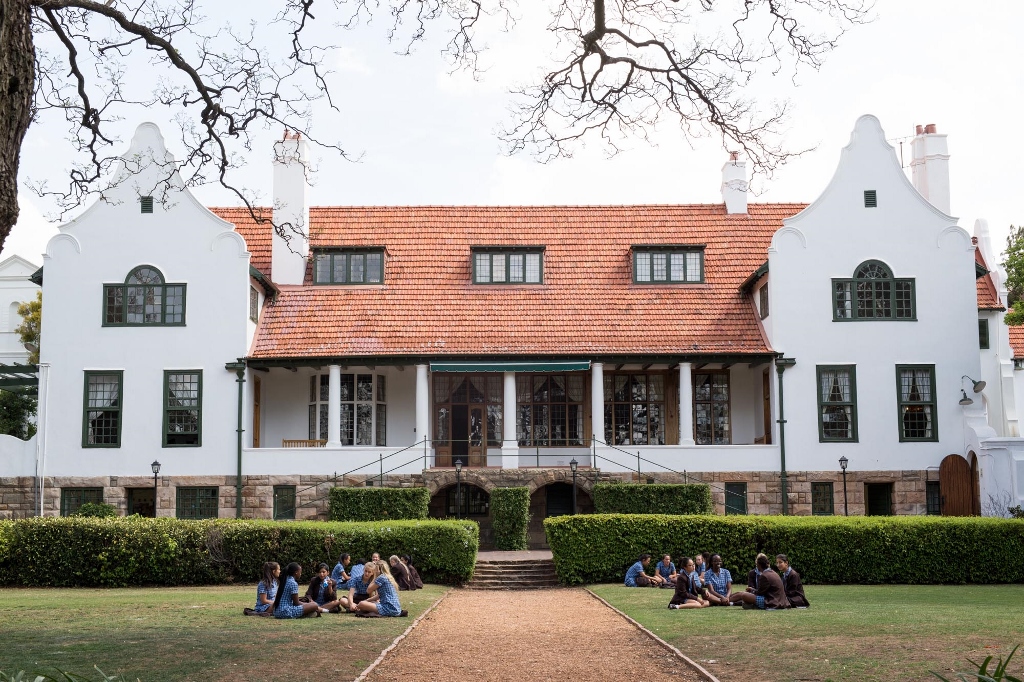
(704, 582)
(372, 586)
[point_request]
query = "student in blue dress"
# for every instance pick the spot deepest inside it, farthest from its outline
(667, 570)
(356, 586)
(267, 589)
(286, 603)
(719, 582)
(383, 591)
(340, 573)
(322, 590)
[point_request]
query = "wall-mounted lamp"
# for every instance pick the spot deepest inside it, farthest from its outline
(979, 386)
(965, 401)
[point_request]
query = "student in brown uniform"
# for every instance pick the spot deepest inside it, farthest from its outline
(400, 573)
(687, 595)
(791, 581)
(770, 593)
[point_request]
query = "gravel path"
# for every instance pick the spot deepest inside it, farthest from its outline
(537, 635)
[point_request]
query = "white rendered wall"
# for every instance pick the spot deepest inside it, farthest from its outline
(189, 245)
(829, 240)
(15, 288)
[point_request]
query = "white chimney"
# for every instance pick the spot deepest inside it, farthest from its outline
(930, 166)
(734, 184)
(291, 210)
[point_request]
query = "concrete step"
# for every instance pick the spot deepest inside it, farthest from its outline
(513, 575)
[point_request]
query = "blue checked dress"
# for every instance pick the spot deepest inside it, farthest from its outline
(262, 589)
(718, 581)
(286, 609)
(388, 604)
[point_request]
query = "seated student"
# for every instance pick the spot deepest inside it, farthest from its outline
(400, 573)
(770, 594)
(753, 574)
(266, 590)
(414, 575)
(322, 590)
(286, 602)
(791, 581)
(383, 600)
(667, 571)
(701, 563)
(687, 595)
(637, 577)
(340, 573)
(719, 582)
(356, 586)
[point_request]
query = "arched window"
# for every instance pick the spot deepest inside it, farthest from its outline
(143, 299)
(873, 294)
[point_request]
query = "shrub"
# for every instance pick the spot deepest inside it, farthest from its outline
(98, 510)
(634, 498)
(378, 504)
(838, 550)
(1016, 512)
(510, 515)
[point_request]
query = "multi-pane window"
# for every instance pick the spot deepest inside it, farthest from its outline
(197, 503)
(667, 265)
(873, 294)
(475, 501)
(933, 498)
(878, 499)
(364, 266)
(101, 423)
(915, 386)
(284, 502)
(549, 409)
(508, 266)
(711, 422)
(183, 408)
(837, 403)
(735, 498)
(468, 408)
(983, 340)
(143, 299)
(822, 499)
(634, 409)
(254, 304)
(363, 408)
(73, 498)
(762, 301)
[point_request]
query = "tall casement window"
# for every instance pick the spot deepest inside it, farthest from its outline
(196, 503)
(508, 265)
(363, 408)
(669, 264)
(254, 304)
(822, 499)
(837, 403)
(183, 408)
(101, 423)
(549, 408)
(916, 395)
(73, 498)
(762, 301)
(711, 420)
(143, 300)
(349, 266)
(873, 294)
(933, 498)
(634, 409)
(983, 340)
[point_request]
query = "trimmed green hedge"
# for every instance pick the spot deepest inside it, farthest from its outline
(510, 516)
(378, 504)
(100, 510)
(72, 551)
(837, 550)
(661, 498)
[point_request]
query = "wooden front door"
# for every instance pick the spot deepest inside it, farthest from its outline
(468, 410)
(256, 389)
(956, 487)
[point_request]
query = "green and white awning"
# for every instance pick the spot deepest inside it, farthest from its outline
(512, 366)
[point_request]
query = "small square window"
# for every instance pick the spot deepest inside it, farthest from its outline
(822, 499)
(284, 502)
(146, 203)
(197, 503)
(735, 498)
(73, 498)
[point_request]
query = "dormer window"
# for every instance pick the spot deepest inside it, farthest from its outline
(349, 266)
(508, 265)
(873, 294)
(668, 264)
(143, 300)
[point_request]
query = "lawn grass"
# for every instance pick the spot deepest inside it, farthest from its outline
(883, 632)
(193, 633)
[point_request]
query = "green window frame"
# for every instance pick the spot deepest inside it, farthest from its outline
(983, 336)
(503, 265)
(668, 264)
(183, 408)
(363, 408)
(144, 300)
(73, 498)
(284, 503)
(353, 267)
(874, 294)
(549, 410)
(762, 301)
(933, 498)
(197, 502)
(915, 397)
(837, 403)
(735, 498)
(822, 499)
(634, 408)
(101, 408)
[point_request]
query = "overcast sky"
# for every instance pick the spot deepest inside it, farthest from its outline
(427, 137)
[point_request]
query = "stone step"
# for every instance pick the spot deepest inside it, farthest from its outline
(515, 562)
(511, 584)
(513, 575)
(514, 570)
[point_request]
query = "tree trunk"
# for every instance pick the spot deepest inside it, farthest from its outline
(17, 74)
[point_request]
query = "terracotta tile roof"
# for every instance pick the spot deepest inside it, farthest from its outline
(257, 237)
(428, 307)
(988, 299)
(1017, 341)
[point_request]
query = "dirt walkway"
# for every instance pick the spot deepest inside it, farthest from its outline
(536, 635)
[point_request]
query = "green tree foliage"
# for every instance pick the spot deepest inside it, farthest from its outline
(1014, 265)
(31, 320)
(16, 411)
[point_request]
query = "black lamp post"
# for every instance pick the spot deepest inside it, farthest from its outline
(458, 488)
(572, 467)
(842, 465)
(155, 466)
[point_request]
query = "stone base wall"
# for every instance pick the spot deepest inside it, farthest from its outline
(764, 489)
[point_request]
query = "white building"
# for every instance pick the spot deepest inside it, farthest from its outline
(15, 288)
(644, 342)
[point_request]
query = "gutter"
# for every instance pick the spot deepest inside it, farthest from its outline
(781, 365)
(238, 367)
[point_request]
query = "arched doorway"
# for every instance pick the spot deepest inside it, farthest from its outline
(553, 499)
(475, 505)
(958, 487)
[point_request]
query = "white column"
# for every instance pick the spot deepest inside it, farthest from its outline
(42, 423)
(422, 404)
(509, 442)
(334, 406)
(596, 406)
(685, 404)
